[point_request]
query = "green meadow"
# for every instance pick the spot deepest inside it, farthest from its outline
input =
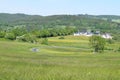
(62, 59)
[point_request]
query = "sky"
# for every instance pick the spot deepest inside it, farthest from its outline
(56, 7)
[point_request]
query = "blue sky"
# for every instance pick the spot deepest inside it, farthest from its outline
(54, 7)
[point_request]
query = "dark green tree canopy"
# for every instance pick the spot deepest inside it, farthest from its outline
(98, 43)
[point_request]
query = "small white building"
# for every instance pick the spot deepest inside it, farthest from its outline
(77, 34)
(83, 34)
(106, 36)
(88, 33)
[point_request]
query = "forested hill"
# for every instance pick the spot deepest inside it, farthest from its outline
(57, 21)
(108, 16)
(10, 18)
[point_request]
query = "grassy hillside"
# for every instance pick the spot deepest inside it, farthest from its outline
(63, 59)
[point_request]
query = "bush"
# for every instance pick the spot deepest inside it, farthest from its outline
(110, 49)
(61, 37)
(97, 43)
(116, 37)
(2, 34)
(10, 36)
(118, 49)
(110, 41)
(21, 38)
(27, 38)
(45, 41)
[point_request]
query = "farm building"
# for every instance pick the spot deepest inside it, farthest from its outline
(106, 35)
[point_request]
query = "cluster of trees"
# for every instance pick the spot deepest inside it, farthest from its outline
(23, 34)
(53, 32)
(98, 43)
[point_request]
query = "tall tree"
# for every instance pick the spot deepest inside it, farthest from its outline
(98, 43)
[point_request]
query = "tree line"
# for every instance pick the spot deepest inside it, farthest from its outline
(26, 35)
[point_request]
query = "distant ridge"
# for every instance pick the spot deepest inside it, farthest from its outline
(80, 21)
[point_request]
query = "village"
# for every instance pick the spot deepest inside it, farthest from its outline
(90, 33)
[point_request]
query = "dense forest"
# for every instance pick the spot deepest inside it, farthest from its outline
(17, 25)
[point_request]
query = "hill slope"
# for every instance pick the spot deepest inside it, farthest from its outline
(78, 21)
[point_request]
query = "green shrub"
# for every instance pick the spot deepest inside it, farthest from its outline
(21, 38)
(61, 37)
(45, 41)
(110, 41)
(10, 36)
(2, 34)
(116, 37)
(27, 38)
(118, 49)
(97, 43)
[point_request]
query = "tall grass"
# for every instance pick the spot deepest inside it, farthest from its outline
(57, 61)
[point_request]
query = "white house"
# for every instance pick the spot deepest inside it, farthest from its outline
(77, 34)
(89, 34)
(106, 36)
(83, 34)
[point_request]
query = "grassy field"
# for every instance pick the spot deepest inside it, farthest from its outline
(63, 59)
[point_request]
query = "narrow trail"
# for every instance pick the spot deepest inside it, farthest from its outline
(65, 47)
